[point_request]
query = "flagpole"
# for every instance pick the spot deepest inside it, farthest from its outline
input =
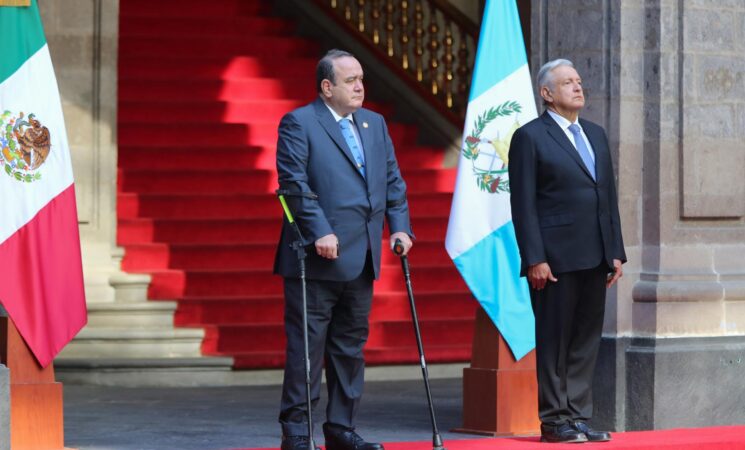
(500, 387)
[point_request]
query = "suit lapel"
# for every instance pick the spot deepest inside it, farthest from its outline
(332, 129)
(555, 131)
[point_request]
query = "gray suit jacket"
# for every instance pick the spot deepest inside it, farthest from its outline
(312, 156)
(561, 215)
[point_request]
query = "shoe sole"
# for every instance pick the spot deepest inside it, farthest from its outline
(574, 441)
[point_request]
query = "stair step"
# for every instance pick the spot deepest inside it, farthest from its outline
(400, 333)
(430, 277)
(254, 181)
(169, 284)
(245, 230)
(131, 315)
(197, 311)
(407, 354)
(429, 180)
(227, 134)
(241, 156)
(143, 257)
(146, 257)
(233, 339)
(210, 67)
(206, 111)
(184, 231)
(420, 157)
(217, 46)
(430, 305)
(430, 227)
(219, 26)
(300, 89)
(194, 8)
(255, 359)
(132, 205)
(135, 343)
(196, 157)
(373, 356)
(180, 134)
(157, 256)
(173, 283)
(197, 206)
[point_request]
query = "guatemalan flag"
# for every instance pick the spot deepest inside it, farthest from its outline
(41, 275)
(480, 237)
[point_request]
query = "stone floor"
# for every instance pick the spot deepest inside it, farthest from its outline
(204, 418)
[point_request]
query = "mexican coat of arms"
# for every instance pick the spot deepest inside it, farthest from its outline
(24, 146)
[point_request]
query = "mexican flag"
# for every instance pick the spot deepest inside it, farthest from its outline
(41, 275)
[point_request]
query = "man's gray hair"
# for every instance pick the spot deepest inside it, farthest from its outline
(325, 67)
(544, 74)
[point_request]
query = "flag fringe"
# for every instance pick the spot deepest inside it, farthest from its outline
(15, 2)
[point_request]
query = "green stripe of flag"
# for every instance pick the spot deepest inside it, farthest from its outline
(21, 35)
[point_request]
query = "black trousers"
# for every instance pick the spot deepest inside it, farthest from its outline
(568, 326)
(337, 332)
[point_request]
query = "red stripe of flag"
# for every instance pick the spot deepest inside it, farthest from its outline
(41, 278)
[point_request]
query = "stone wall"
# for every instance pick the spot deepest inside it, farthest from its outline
(665, 78)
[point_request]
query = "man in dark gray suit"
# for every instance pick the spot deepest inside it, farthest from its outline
(565, 212)
(342, 153)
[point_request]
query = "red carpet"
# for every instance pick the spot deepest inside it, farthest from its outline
(715, 438)
(202, 86)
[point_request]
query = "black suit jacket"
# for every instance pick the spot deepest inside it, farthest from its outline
(561, 215)
(312, 156)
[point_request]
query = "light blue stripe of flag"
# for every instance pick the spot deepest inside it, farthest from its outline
(501, 48)
(491, 269)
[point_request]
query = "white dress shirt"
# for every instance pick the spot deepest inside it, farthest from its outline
(356, 133)
(564, 124)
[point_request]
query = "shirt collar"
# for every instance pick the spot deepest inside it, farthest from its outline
(337, 117)
(562, 121)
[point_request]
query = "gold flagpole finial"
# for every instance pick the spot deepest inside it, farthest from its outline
(15, 2)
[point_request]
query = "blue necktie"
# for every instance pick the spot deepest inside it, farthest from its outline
(348, 133)
(582, 149)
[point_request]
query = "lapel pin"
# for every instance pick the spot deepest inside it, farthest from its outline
(364, 124)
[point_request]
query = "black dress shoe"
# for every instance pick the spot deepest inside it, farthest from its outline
(592, 435)
(342, 438)
(564, 433)
(296, 443)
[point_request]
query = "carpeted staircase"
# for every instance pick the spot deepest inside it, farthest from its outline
(202, 86)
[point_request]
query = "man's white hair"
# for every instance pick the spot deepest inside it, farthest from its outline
(545, 78)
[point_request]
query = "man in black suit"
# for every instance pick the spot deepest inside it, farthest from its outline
(339, 157)
(565, 212)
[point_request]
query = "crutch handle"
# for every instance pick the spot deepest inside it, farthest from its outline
(398, 247)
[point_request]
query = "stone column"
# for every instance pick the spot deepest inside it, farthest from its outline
(665, 78)
(688, 312)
